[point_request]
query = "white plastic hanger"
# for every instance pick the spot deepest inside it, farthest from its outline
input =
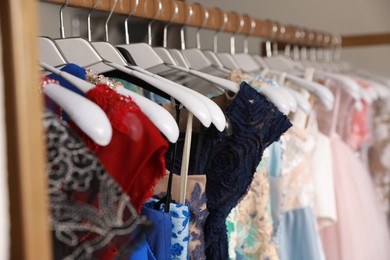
(285, 102)
(217, 116)
(324, 94)
(302, 102)
(379, 84)
(334, 55)
(272, 67)
(163, 120)
(88, 116)
(195, 58)
(172, 56)
(349, 85)
(145, 57)
(226, 59)
(244, 60)
(210, 55)
(81, 52)
(281, 98)
(160, 117)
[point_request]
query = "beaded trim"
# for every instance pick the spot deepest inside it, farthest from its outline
(96, 79)
(45, 81)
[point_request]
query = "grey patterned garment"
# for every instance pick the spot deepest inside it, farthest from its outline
(91, 217)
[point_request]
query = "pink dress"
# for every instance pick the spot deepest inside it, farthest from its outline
(360, 232)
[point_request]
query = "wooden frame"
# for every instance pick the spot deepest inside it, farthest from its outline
(270, 30)
(366, 40)
(148, 8)
(30, 236)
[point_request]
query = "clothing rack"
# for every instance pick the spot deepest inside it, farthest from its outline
(366, 40)
(266, 29)
(270, 30)
(30, 235)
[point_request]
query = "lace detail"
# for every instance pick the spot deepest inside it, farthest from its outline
(256, 123)
(98, 79)
(50, 105)
(116, 107)
(91, 217)
(238, 76)
(297, 179)
(135, 155)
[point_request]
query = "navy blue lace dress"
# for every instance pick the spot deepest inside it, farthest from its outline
(256, 123)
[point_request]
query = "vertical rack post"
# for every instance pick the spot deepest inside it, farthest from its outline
(30, 236)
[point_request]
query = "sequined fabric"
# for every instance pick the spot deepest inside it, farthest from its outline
(91, 217)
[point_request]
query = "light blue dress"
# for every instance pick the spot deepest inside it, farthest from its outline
(295, 228)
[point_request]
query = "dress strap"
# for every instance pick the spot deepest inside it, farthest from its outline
(335, 112)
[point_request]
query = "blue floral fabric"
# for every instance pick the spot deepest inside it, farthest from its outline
(180, 217)
(180, 231)
(196, 201)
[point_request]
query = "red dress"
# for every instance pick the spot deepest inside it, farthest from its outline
(135, 155)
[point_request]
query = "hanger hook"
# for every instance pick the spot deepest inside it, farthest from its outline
(165, 39)
(132, 12)
(233, 36)
(251, 30)
(298, 34)
(188, 19)
(284, 37)
(326, 47)
(338, 47)
(205, 20)
(268, 46)
(89, 19)
(108, 18)
(275, 29)
(62, 29)
(312, 50)
(159, 11)
(223, 26)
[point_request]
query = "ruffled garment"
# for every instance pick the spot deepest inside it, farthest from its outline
(361, 230)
